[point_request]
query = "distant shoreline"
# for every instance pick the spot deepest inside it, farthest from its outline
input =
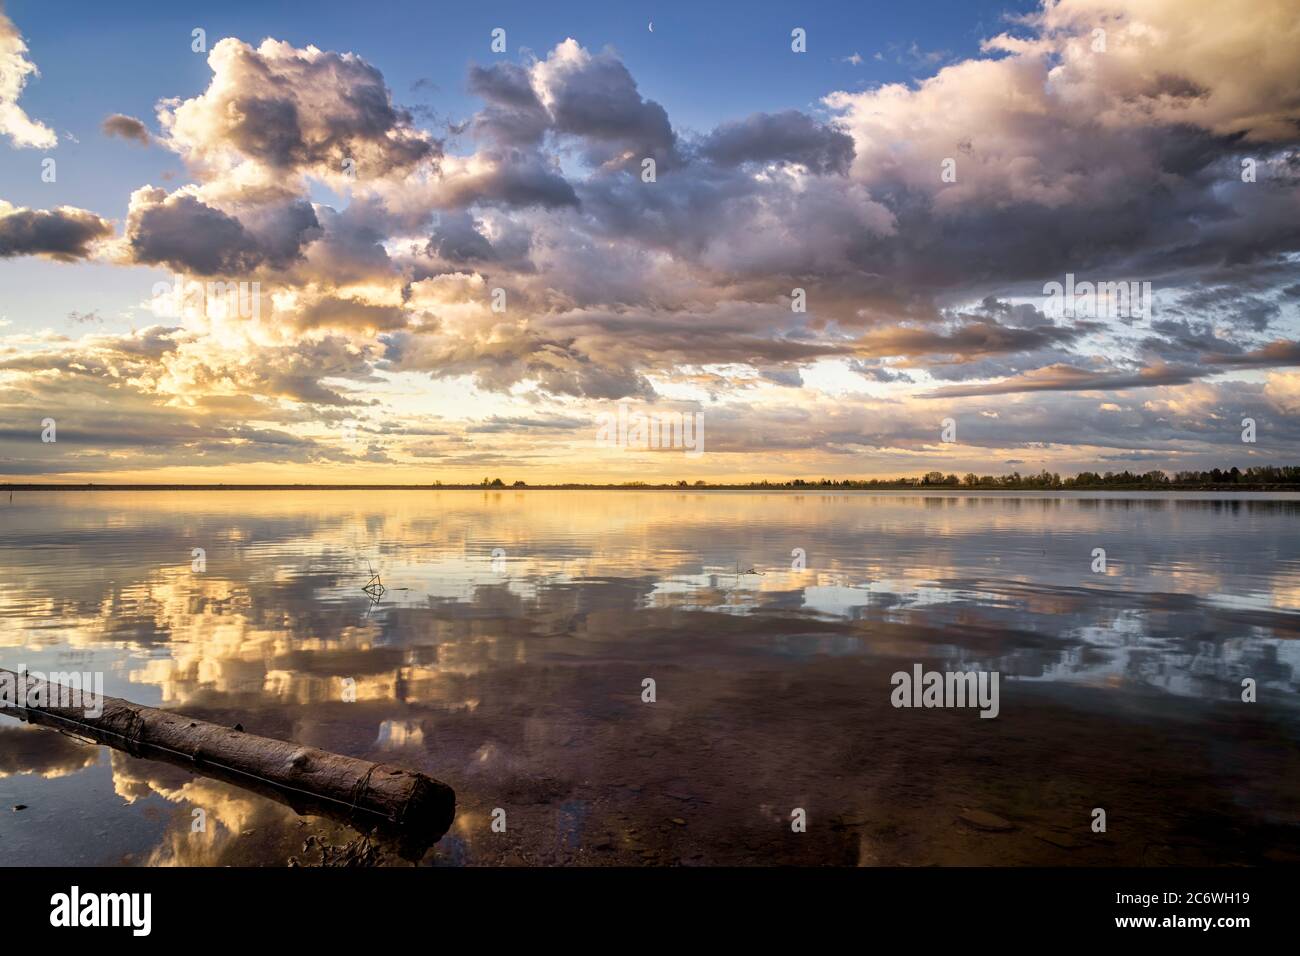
(800, 489)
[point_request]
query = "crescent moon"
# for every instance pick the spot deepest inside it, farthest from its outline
(652, 26)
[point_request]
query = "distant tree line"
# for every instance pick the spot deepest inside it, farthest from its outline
(1257, 476)
(1260, 476)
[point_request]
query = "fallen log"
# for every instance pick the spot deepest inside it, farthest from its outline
(400, 806)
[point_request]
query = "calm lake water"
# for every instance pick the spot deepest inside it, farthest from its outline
(508, 656)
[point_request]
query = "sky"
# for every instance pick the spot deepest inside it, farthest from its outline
(418, 242)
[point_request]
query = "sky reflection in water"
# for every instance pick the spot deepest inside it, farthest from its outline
(497, 600)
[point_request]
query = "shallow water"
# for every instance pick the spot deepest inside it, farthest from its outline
(507, 658)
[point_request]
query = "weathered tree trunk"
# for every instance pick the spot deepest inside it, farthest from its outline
(399, 805)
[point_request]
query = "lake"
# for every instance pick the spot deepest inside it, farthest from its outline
(510, 654)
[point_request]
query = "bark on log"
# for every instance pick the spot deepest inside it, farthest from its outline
(401, 806)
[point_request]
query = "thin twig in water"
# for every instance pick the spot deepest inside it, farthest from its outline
(374, 587)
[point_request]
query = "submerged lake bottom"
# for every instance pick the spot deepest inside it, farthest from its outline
(674, 678)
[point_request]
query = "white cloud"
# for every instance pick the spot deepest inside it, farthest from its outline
(15, 68)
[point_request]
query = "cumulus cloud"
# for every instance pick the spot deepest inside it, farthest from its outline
(65, 233)
(594, 97)
(507, 177)
(1177, 62)
(1072, 159)
(283, 110)
(15, 70)
(126, 127)
(182, 231)
(514, 115)
(790, 136)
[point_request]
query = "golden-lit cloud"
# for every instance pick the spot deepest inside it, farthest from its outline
(15, 70)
